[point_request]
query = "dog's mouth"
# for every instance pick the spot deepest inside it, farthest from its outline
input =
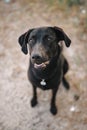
(42, 65)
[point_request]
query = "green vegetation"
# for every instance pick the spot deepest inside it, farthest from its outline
(66, 2)
(74, 2)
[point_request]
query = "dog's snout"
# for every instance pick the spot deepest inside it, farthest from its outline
(36, 57)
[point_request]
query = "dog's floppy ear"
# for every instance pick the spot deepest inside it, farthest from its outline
(62, 36)
(23, 40)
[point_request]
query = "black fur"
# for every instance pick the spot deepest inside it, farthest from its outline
(43, 46)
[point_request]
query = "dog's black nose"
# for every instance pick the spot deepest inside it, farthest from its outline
(36, 57)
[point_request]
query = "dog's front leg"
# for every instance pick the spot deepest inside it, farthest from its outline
(53, 108)
(34, 99)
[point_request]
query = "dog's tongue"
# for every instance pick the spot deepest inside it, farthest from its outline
(39, 66)
(42, 65)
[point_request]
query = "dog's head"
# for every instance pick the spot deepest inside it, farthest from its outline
(43, 44)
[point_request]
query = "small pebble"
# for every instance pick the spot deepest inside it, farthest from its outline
(72, 109)
(76, 97)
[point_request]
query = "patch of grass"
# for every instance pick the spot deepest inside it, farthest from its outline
(73, 2)
(65, 2)
(56, 5)
(85, 24)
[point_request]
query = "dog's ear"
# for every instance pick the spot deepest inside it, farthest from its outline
(23, 40)
(62, 36)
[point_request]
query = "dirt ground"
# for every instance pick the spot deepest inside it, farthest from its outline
(16, 113)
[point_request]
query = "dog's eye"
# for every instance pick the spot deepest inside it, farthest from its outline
(31, 40)
(50, 38)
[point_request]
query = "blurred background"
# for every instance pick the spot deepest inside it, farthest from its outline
(16, 17)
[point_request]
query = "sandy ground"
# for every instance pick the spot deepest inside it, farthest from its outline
(15, 89)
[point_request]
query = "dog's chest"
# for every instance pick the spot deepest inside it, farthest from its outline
(43, 83)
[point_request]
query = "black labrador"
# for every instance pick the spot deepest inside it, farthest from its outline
(47, 64)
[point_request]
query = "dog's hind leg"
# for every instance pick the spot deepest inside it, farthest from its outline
(34, 99)
(65, 69)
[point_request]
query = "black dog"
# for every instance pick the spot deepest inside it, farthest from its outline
(47, 65)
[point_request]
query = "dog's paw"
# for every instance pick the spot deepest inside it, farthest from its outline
(34, 102)
(53, 110)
